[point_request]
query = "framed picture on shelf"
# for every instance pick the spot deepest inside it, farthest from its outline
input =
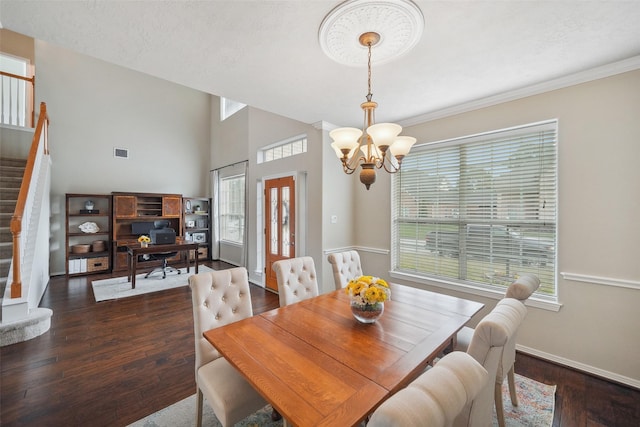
(199, 237)
(190, 223)
(187, 207)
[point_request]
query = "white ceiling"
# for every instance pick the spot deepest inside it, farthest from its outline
(266, 53)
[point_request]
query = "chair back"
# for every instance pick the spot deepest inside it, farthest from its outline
(487, 346)
(436, 397)
(523, 287)
(345, 266)
(296, 278)
(219, 298)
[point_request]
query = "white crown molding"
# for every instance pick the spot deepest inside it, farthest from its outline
(608, 70)
(322, 125)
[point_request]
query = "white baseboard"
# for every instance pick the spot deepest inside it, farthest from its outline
(632, 382)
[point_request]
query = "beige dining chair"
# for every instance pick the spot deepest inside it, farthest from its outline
(487, 347)
(345, 266)
(436, 397)
(220, 298)
(296, 279)
(521, 289)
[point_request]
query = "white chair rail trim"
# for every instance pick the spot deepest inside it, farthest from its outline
(608, 281)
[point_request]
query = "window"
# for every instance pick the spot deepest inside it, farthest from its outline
(283, 149)
(229, 107)
(14, 105)
(479, 210)
(232, 209)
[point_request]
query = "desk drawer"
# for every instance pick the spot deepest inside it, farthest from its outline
(203, 253)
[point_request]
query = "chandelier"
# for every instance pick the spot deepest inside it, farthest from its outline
(377, 145)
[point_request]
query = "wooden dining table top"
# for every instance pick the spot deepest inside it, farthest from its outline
(318, 366)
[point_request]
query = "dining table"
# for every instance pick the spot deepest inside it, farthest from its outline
(319, 366)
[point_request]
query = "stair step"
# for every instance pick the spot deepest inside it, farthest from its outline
(6, 250)
(8, 161)
(12, 171)
(11, 180)
(9, 192)
(5, 219)
(7, 206)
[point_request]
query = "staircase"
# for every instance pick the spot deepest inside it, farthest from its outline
(11, 172)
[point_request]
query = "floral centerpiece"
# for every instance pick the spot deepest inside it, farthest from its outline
(367, 294)
(144, 241)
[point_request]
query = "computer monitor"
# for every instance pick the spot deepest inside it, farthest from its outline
(140, 228)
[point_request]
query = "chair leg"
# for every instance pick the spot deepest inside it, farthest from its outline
(199, 403)
(512, 386)
(499, 407)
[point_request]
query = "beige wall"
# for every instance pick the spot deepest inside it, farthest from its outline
(598, 228)
(17, 45)
(94, 107)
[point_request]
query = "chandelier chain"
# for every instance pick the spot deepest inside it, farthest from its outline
(369, 94)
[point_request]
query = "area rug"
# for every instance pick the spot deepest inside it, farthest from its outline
(120, 287)
(535, 408)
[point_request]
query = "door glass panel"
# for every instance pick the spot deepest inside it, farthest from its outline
(274, 221)
(285, 221)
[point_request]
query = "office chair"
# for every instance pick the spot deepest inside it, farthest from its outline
(162, 256)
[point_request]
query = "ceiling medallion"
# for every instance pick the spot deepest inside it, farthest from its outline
(398, 22)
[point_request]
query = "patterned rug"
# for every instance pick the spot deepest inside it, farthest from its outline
(535, 409)
(120, 287)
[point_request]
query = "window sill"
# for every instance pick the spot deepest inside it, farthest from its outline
(534, 301)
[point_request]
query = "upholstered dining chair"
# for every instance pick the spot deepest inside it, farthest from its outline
(521, 289)
(345, 266)
(220, 298)
(487, 346)
(436, 397)
(296, 279)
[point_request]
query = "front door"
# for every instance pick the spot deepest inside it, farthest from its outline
(279, 225)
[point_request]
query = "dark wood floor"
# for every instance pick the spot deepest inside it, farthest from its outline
(114, 362)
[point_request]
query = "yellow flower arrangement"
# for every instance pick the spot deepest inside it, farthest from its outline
(144, 239)
(367, 290)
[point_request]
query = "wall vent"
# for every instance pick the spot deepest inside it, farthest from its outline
(123, 153)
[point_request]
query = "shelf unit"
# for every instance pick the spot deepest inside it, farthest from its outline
(142, 207)
(98, 258)
(197, 224)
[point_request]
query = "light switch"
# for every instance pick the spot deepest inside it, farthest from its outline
(334, 219)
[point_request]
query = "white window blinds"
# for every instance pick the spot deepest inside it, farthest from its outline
(479, 210)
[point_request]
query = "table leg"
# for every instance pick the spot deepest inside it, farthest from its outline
(196, 259)
(134, 267)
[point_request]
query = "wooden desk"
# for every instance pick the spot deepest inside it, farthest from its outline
(318, 366)
(134, 250)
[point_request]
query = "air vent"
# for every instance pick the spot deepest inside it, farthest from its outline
(123, 153)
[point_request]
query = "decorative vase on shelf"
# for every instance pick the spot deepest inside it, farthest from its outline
(144, 244)
(367, 313)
